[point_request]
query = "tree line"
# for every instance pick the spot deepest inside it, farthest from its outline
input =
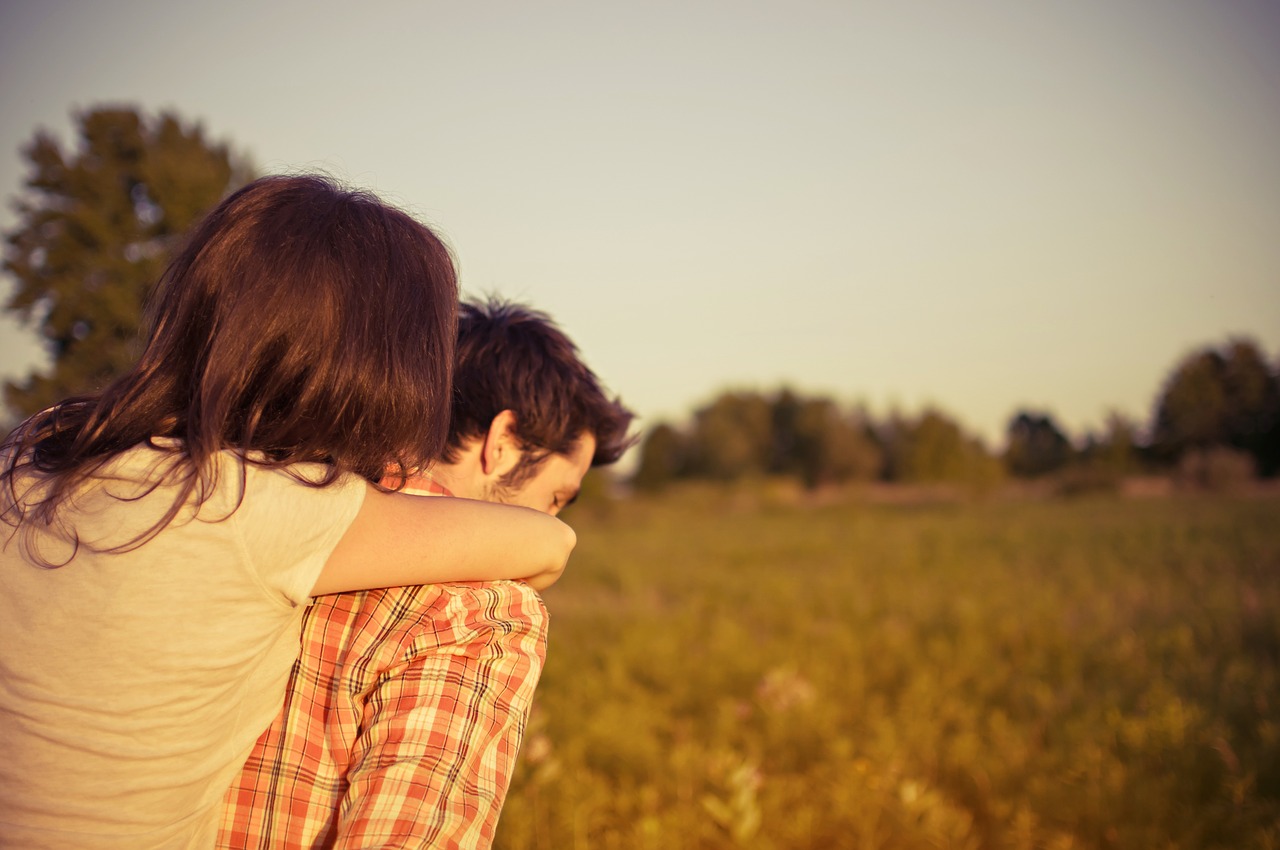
(98, 221)
(1217, 414)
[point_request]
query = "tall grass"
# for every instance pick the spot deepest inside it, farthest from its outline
(728, 670)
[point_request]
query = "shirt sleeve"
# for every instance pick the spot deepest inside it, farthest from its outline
(290, 527)
(441, 730)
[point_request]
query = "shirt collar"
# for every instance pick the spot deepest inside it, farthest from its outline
(423, 484)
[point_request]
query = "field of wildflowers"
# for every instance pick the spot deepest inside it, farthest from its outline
(739, 669)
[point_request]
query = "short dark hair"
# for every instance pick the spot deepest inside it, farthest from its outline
(512, 357)
(301, 321)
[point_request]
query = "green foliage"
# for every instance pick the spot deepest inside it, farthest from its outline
(96, 228)
(933, 448)
(1226, 397)
(1104, 461)
(820, 444)
(732, 437)
(747, 435)
(1088, 674)
(1116, 451)
(1036, 446)
(663, 457)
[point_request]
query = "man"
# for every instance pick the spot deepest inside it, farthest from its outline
(406, 708)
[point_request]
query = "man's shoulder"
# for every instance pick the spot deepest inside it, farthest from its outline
(390, 608)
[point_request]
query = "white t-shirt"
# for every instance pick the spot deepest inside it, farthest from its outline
(133, 685)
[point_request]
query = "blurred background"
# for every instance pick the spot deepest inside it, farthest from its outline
(977, 207)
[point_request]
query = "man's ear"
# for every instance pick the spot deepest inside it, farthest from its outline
(501, 450)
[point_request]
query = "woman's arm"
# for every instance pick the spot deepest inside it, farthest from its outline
(398, 540)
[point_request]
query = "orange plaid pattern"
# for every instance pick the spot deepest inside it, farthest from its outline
(402, 721)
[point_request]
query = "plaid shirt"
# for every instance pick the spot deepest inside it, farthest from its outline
(402, 721)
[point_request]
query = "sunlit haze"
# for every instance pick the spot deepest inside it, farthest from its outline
(981, 206)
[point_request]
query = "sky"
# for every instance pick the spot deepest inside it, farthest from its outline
(981, 206)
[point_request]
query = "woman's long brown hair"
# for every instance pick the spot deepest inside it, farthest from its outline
(301, 322)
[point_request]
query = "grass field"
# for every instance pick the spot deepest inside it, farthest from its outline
(739, 670)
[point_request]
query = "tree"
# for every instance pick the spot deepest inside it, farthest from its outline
(934, 448)
(1253, 404)
(1192, 410)
(1220, 397)
(830, 447)
(1116, 452)
(662, 457)
(741, 434)
(732, 437)
(96, 228)
(784, 411)
(1036, 445)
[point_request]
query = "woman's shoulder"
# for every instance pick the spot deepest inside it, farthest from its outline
(223, 484)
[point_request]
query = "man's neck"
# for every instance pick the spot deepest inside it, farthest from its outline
(464, 476)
